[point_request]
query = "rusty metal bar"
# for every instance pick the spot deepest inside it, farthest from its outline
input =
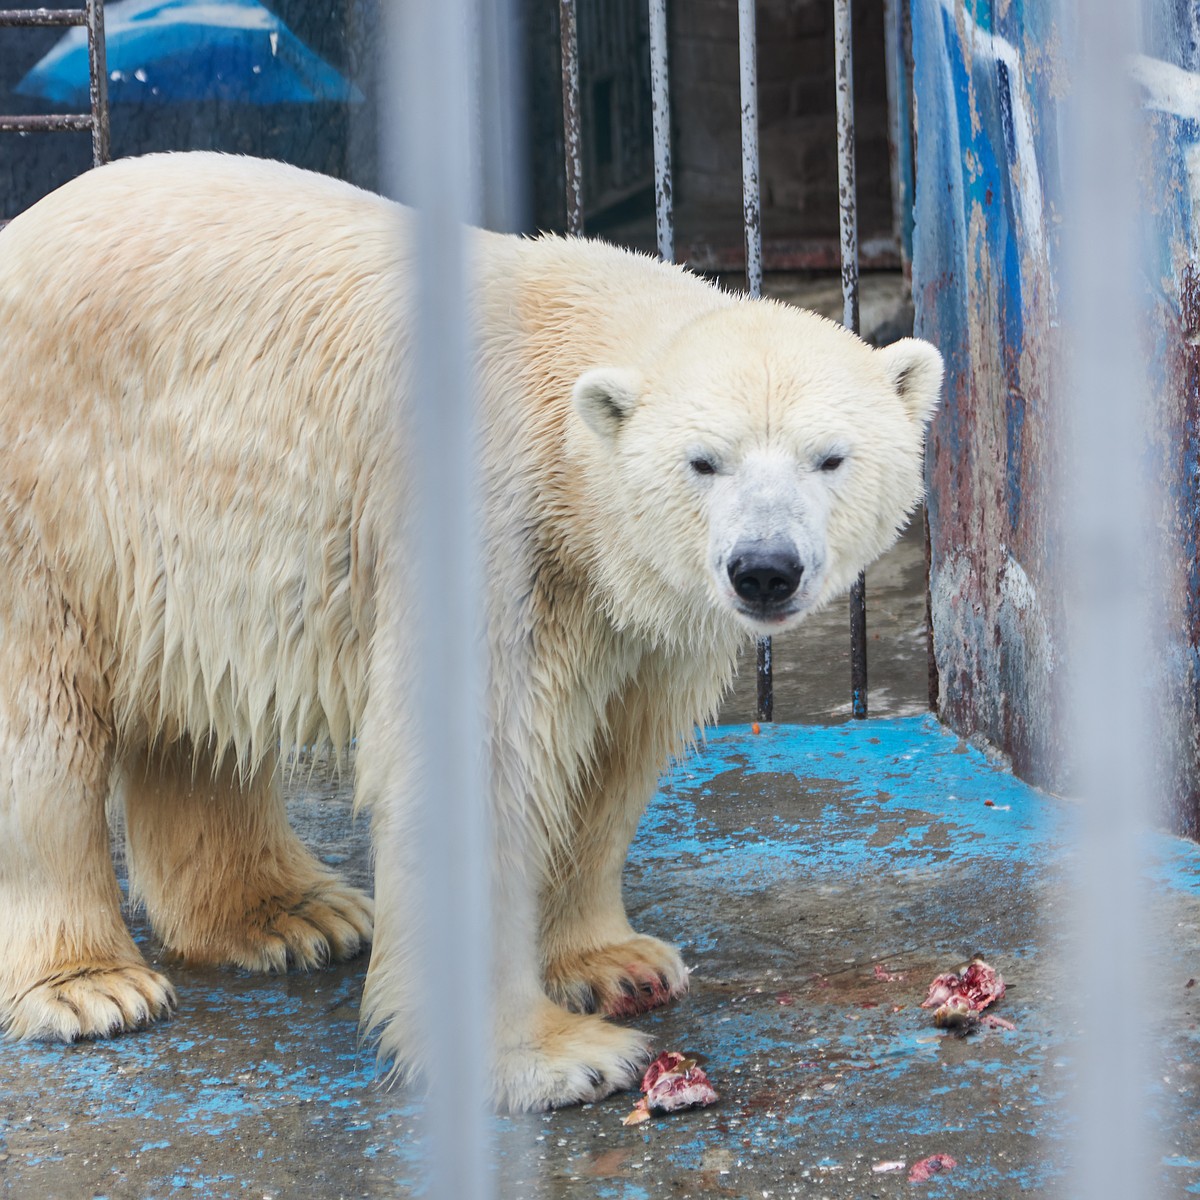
(46, 123)
(899, 125)
(572, 116)
(660, 101)
(751, 204)
(97, 81)
(40, 17)
(848, 207)
(92, 18)
(847, 192)
(752, 227)
(764, 709)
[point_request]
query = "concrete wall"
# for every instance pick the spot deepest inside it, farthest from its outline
(988, 83)
(796, 110)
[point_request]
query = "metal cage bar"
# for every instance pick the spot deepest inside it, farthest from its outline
(660, 105)
(91, 17)
(434, 161)
(34, 18)
(848, 209)
(1111, 531)
(752, 228)
(900, 147)
(97, 81)
(572, 116)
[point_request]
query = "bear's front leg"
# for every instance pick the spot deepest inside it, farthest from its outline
(543, 1057)
(592, 958)
(224, 879)
(68, 966)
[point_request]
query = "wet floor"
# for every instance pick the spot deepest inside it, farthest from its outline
(788, 866)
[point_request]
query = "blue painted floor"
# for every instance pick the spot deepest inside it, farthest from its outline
(787, 865)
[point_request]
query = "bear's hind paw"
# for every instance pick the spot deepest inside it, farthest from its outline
(84, 1002)
(327, 922)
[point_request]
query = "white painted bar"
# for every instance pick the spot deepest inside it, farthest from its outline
(752, 229)
(430, 153)
(1111, 591)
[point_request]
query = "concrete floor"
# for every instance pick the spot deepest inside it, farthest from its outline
(786, 865)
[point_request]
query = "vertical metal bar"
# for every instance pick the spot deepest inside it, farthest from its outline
(751, 206)
(432, 158)
(504, 166)
(572, 116)
(752, 226)
(858, 647)
(97, 81)
(764, 709)
(1109, 591)
(899, 126)
(660, 101)
(847, 190)
(848, 207)
(934, 681)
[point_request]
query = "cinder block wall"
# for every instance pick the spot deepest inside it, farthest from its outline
(796, 112)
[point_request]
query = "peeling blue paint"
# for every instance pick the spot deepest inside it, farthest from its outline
(989, 85)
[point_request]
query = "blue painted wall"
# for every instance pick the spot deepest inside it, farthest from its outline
(989, 80)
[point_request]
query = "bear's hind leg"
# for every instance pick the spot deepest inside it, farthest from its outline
(68, 966)
(223, 877)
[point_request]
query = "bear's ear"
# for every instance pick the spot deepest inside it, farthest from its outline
(605, 396)
(915, 369)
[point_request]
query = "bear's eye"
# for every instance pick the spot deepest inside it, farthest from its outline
(832, 462)
(703, 466)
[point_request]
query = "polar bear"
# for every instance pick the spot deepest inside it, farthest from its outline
(198, 482)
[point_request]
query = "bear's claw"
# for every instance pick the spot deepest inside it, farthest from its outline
(619, 980)
(329, 922)
(86, 1002)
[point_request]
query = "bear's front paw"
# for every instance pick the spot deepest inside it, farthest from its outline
(327, 922)
(619, 980)
(567, 1059)
(89, 1002)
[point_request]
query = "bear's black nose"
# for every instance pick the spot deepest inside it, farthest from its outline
(765, 574)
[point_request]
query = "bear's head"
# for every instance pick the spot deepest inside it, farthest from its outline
(752, 467)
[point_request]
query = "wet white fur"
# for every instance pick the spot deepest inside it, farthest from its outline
(199, 478)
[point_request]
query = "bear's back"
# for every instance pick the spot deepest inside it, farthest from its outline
(199, 353)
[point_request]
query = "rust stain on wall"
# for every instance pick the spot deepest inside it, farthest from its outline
(988, 80)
